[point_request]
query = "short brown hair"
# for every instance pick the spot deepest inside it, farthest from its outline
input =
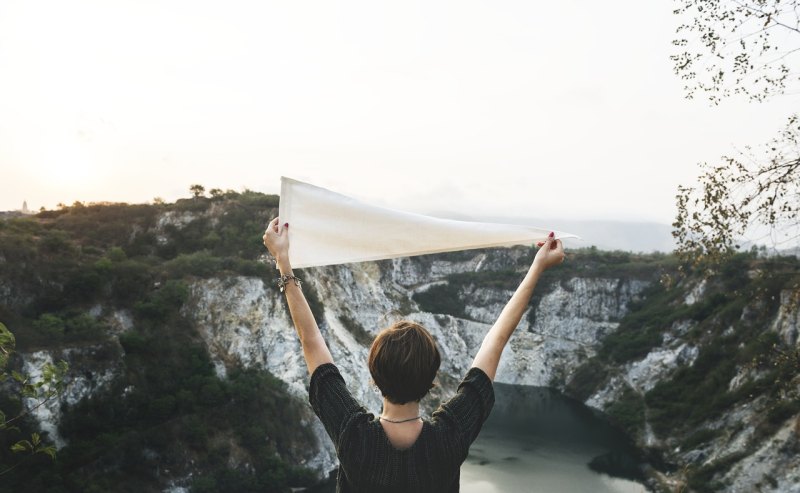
(403, 362)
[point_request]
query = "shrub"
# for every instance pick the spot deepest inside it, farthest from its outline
(164, 302)
(133, 342)
(441, 298)
(628, 411)
(201, 264)
(358, 331)
(586, 379)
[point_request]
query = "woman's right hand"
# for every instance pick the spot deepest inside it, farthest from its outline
(277, 240)
(551, 252)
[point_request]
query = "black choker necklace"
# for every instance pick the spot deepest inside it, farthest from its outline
(399, 421)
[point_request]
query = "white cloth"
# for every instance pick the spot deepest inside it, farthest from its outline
(327, 228)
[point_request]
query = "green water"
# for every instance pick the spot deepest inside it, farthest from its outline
(539, 441)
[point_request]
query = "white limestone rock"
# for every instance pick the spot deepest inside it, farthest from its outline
(773, 467)
(83, 379)
(659, 363)
(696, 294)
(787, 321)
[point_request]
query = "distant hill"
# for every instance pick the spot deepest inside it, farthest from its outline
(606, 235)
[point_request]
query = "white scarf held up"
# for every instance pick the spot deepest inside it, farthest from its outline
(328, 228)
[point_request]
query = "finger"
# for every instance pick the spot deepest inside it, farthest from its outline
(539, 244)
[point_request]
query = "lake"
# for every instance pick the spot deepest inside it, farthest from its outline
(537, 440)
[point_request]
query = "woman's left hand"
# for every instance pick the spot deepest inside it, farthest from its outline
(277, 240)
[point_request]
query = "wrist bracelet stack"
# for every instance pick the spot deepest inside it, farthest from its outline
(284, 280)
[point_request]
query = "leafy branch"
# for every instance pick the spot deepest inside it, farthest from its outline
(736, 47)
(48, 386)
(756, 193)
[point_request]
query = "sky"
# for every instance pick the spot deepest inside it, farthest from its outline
(565, 109)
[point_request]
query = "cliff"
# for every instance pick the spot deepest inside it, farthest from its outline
(689, 370)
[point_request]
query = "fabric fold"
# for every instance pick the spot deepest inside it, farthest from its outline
(328, 228)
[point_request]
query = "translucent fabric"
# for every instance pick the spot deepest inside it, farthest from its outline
(329, 228)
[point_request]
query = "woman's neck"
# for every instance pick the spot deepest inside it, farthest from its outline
(397, 412)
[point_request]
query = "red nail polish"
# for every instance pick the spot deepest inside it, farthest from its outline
(286, 225)
(551, 234)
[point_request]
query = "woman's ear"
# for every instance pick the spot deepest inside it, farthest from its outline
(375, 387)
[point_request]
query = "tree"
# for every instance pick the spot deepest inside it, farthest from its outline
(740, 48)
(743, 47)
(48, 387)
(756, 192)
(197, 190)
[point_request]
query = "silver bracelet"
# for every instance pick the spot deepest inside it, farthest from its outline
(284, 280)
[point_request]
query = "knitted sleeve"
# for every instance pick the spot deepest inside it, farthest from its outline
(331, 401)
(471, 405)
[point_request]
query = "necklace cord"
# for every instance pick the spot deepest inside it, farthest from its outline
(399, 421)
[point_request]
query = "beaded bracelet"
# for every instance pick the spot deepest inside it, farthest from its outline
(283, 280)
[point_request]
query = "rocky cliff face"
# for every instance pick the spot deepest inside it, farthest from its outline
(244, 322)
(751, 442)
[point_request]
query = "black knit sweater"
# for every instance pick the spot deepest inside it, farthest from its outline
(367, 460)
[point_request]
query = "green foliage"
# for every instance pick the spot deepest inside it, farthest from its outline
(165, 301)
(591, 262)
(628, 411)
(694, 393)
(587, 378)
(54, 242)
(701, 478)
(643, 327)
(49, 385)
(257, 199)
(133, 342)
(739, 48)
(197, 190)
(736, 48)
(699, 437)
(441, 298)
(502, 279)
(195, 204)
(782, 411)
(177, 406)
(106, 225)
(168, 398)
(117, 254)
(201, 264)
(728, 326)
(55, 329)
(7, 344)
(359, 332)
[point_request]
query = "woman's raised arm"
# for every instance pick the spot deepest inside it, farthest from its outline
(315, 350)
(551, 253)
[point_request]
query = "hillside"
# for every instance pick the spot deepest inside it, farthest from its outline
(185, 373)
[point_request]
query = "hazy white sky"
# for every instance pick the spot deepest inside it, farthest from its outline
(550, 109)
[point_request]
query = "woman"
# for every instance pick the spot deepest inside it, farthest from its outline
(399, 451)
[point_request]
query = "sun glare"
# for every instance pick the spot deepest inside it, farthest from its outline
(65, 163)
